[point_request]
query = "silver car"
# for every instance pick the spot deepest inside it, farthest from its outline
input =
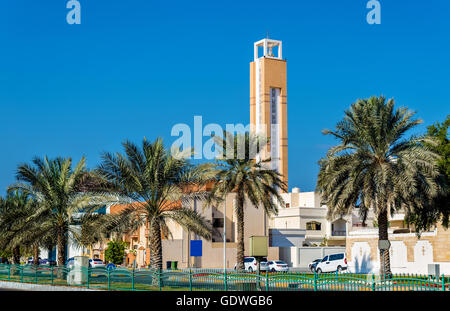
(96, 263)
(278, 266)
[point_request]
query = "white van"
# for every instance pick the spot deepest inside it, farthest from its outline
(332, 263)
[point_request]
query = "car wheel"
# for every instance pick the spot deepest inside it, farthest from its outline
(312, 269)
(250, 269)
(272, 270)
(339, 269)
(319, 271)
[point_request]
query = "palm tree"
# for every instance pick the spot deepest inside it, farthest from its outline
(10, 207)
(53, 185)
(94, 228)
(159, 186)
(17, 230)
(249, 178)
(375, 167)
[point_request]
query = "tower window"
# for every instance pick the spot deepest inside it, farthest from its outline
(313, 225)
(218, 222)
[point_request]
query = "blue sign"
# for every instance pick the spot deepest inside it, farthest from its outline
(110, 266)
(196, 248)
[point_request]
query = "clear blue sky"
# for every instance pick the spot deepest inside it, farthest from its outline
(136, 68)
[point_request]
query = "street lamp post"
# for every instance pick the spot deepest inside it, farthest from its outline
(225, 237)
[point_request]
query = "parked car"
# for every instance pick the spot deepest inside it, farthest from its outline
(332, 263)
(4, 260)
(278, 266)
(96, 263)
(312, 265)
(251, 264)
(264, 266)
(43, 262)
(30, 261)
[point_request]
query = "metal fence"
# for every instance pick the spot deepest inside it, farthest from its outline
(217, 279)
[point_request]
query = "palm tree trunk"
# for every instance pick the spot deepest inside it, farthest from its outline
(155, 245)
(385, 264)
(16, 255)
(240, 227)
(61, 245)
(155, 252)
(36, 255)
(16, 260)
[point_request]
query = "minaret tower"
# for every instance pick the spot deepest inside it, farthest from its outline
(268, 104)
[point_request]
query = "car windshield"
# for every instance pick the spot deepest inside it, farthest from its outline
(325, 258)
(280, 262)
(98, 260)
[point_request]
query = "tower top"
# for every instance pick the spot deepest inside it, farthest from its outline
(268, 45)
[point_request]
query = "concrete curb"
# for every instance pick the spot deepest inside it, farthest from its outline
(40, 287)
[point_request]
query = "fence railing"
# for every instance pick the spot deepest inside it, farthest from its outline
(338, 233)
(217, 279)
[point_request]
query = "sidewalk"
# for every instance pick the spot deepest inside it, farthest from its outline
(40, 287)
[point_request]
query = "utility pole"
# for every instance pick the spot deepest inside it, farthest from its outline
(225, 236)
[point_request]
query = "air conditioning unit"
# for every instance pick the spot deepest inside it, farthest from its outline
(78, 274)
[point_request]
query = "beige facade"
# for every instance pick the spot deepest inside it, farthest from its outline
(304, 211)
(266, 74)
(177, 247)
(408, 252)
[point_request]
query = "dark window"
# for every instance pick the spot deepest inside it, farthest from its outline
(325, 259)
(218, 222)
(248, 259)
(313, 225)
(336, 257)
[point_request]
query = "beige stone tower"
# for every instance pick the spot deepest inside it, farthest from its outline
(268, 104)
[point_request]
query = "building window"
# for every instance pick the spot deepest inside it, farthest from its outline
(218, 222)
(313, 225)
(288, 205)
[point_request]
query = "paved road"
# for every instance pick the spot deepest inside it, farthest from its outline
(10, 290)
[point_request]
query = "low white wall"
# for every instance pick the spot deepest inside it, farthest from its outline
(409, 268)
